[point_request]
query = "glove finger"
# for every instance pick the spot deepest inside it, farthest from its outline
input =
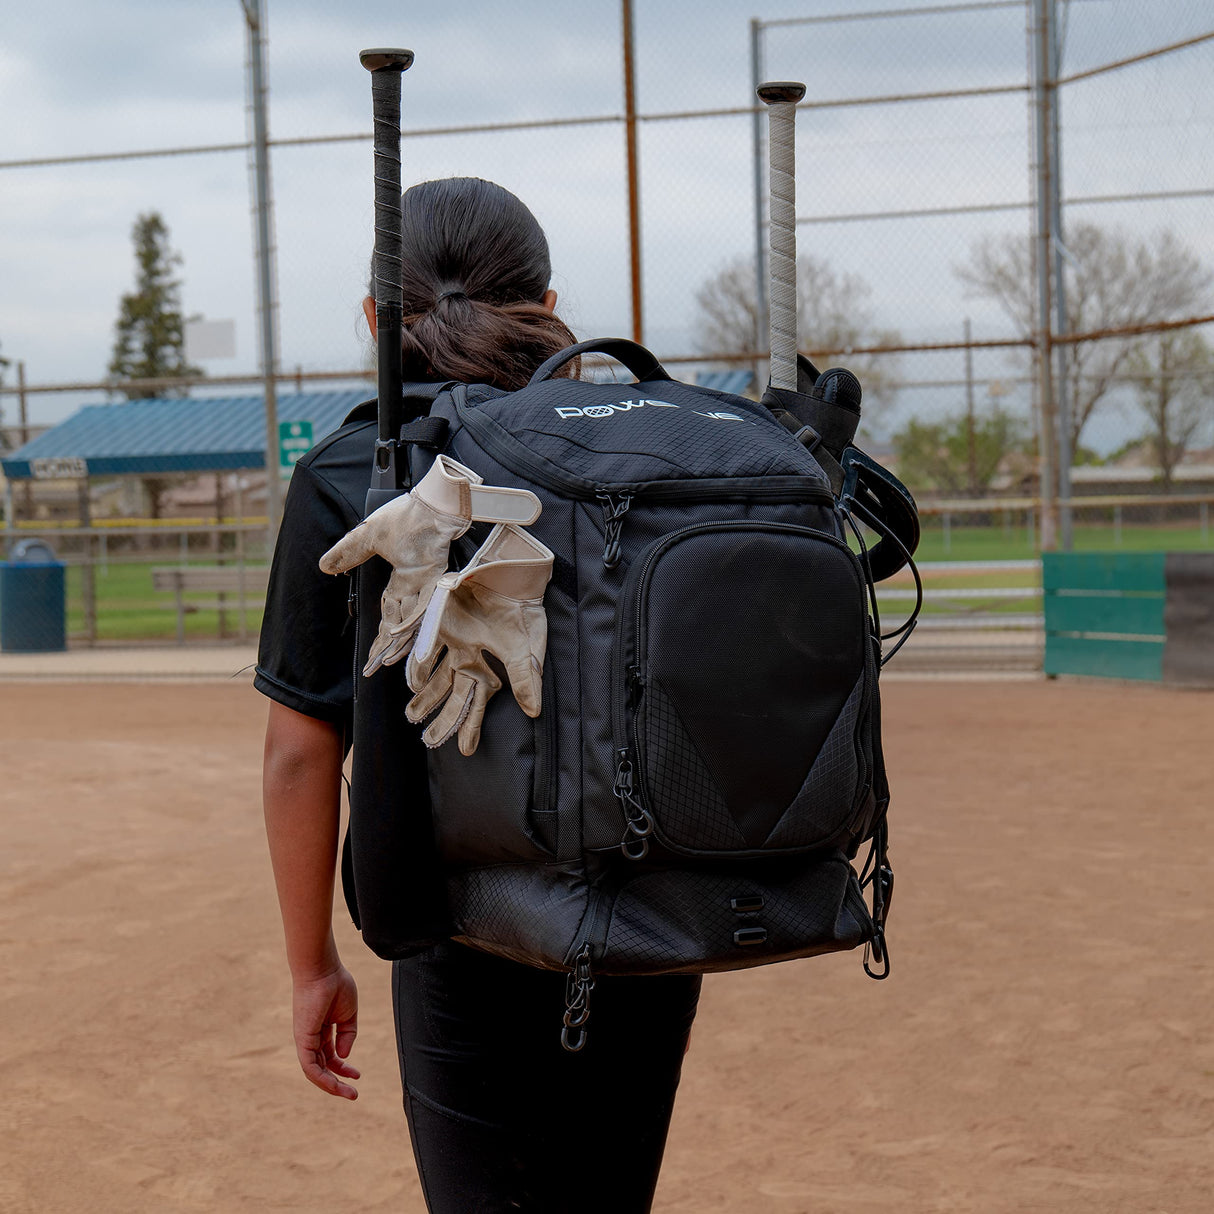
(459, 702)
(388, 649)
(375, 656)
(527, 683)
(417, 673)
(436, 689)
(349, 552)
(474, 715)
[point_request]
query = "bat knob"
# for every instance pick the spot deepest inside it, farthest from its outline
(773, 91)
(387, 59)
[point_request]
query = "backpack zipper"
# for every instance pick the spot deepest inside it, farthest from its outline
(629, 789)
(616, 498)
(580, 980)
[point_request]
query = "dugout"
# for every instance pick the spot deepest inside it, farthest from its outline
(142, 440)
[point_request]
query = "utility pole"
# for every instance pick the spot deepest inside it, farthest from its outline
(634, 192)
(1039, 55)
(1065, 454)
(263, 227)
(756, 135)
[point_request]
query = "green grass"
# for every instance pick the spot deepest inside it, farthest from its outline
(996, 544)
(130, 609)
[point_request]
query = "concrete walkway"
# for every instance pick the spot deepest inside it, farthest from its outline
(132, 663)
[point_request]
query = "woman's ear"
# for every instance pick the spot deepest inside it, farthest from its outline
(549, 300)
(369, 313)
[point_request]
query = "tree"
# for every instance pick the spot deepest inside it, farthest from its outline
(1112, 282)
(833, 313)
(949, 457)
(1175, 390)
(149, 335)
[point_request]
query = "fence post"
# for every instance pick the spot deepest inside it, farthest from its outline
(243, 609)
(88, 580)
(948, 532)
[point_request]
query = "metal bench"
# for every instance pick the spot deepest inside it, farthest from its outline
(246, 582)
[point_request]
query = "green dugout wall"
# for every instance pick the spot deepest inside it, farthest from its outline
(1131, 615)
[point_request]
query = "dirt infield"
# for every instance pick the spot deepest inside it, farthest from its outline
(1046, 1042)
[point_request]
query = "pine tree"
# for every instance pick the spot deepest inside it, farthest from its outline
(149, 335)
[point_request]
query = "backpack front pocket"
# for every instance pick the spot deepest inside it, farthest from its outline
(742, 688)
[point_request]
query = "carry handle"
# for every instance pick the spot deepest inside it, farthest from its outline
(636, 358)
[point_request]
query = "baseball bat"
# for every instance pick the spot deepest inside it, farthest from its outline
(386, 66)
(781, 97)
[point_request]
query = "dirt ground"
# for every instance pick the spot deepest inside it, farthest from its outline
(1046, 1041)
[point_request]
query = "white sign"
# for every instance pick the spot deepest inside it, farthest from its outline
(61, 468)
(210, 339)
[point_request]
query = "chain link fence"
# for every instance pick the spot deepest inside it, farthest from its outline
(915, 151)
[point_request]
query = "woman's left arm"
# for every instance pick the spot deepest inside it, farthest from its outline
(301, 792)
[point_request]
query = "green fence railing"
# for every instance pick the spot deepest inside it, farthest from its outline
(1130, 615)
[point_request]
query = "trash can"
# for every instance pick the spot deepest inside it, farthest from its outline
(33, 616)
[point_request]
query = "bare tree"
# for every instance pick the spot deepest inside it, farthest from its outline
(833, 315)
(1112, 282)
(1175, 391)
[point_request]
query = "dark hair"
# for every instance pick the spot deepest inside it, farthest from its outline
(476, 268)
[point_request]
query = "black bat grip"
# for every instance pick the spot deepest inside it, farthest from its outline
(386, 67)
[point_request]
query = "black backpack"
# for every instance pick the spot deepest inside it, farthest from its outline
(707, 763)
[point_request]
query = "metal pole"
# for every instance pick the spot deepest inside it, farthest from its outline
(27, 490)
(240, 561)
(10, 523)
(634, 193)
(1065, 454)
(264, 226)
(971, 439)
(88, 580)
(756, 137)
(1039, 39)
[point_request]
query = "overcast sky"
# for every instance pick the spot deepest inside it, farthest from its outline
(141, 74)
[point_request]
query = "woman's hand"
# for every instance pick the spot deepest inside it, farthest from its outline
(325, 1023)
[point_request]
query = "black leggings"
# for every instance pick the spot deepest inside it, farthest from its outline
(502, 1118)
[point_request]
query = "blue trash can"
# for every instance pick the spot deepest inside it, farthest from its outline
(33, 600)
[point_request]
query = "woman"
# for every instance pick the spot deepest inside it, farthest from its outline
(501, 1118)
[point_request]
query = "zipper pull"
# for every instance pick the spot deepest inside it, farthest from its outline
(639, 821)
(578, 985)
(882, 880)
(614, 509)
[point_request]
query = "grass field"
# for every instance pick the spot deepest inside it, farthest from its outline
(129, 609)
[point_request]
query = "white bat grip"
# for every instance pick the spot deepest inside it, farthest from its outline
(782, 238)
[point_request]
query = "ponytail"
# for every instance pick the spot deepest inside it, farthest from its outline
(476, 269)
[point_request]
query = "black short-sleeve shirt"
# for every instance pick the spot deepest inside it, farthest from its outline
(305, 658)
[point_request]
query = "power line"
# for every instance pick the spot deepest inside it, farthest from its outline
(492, 128)
(1132, 59)
(978, 208)
(930, 10)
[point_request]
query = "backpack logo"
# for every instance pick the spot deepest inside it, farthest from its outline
(609, 410)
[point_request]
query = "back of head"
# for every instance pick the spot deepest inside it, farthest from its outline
(476, 269)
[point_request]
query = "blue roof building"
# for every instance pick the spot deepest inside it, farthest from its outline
(181, 434)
